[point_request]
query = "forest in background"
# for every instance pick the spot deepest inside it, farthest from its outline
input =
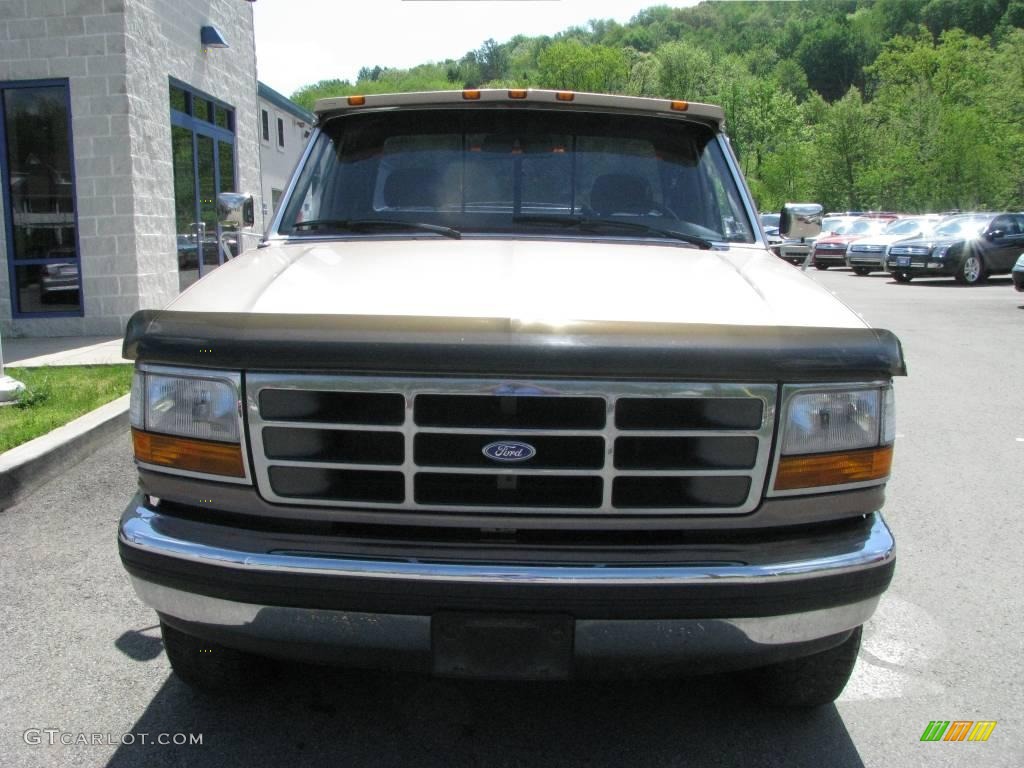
(904, 105)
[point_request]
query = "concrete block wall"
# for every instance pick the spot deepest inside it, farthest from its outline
(118, 56)
(82, 41)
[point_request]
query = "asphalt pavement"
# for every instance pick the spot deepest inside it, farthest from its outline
(81, 663)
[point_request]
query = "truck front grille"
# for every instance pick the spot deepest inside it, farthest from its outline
(615, 448)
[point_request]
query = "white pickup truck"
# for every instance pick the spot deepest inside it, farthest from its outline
(513, 388)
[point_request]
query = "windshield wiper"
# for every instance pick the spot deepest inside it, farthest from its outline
(591, 223)
(362, 225)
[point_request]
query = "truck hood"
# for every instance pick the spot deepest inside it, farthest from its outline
(529, 281)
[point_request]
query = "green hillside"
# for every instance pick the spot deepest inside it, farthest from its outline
(910, 105)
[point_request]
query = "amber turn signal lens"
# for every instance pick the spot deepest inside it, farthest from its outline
(187, 453)
(565, 95)
(356, 101)
(680, 106)
(471, 95)
(517, 93)
(810, 471)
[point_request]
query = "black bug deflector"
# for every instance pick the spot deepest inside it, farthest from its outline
(508, 347)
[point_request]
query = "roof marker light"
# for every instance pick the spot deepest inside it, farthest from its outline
(680, 106)
(518, 93)
(565, 95)
(471, 95)
(356, 101)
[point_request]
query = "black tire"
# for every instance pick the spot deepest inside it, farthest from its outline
(812, 681)
(205, 666)
(972, 270)
(862, 271)
(901, 277)
(820, 266)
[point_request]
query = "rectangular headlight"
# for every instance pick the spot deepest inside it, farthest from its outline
(818, 422)
(188, 420)
(192, 407)
(834, 437)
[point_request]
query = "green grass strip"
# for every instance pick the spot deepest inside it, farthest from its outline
(55, 395)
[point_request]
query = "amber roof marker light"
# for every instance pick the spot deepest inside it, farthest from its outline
(517, 93)
(471, 94)
(565, 96)
(356, 101)
(680, 106)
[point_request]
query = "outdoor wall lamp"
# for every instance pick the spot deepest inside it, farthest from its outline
(211, 37)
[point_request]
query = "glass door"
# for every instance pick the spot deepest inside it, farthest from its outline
(206, 182)
(202, 135)
(185, 220)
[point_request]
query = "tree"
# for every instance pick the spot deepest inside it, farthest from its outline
(643, 73)
(684, 71)
(843, 148)
(831, 56)
(492, 60)
(976, 17)
(570, 65)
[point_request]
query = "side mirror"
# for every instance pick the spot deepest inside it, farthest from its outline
(800, 220)
(994, 234)
(235, 210)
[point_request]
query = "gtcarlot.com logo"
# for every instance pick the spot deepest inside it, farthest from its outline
(958, 730)
(52, 737)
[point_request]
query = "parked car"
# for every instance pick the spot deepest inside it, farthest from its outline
(968, 247)
(1018, 273)
(831, 251)
(867, 254)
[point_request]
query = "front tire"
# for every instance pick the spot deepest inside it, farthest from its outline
(901, 277)
(862, 271)
(972, 270)
(206, 666)
(813, 681)
(820, 266)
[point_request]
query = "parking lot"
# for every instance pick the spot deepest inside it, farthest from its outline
(80, 656)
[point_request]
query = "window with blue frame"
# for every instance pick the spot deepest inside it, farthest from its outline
(37, 168)
(203, 155)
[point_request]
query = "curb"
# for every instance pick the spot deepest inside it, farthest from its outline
(32, 464)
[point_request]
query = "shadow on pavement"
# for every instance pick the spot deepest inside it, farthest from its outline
(998, 282)
(318, 716)
(139, 646)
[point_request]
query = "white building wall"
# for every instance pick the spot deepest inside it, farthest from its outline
(118, 56)
(277, 163)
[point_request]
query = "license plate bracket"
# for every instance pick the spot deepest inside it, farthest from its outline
(502, 646)
(902, 261)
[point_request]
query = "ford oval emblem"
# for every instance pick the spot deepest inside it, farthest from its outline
(509, 451)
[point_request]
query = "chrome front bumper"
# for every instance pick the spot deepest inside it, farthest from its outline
(302, 620)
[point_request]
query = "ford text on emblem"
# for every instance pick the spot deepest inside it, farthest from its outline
(509, 450)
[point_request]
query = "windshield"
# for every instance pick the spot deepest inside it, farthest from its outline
(503, 171)
(904, 227)
(865, 227)
(968, 227)
(835, 225)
